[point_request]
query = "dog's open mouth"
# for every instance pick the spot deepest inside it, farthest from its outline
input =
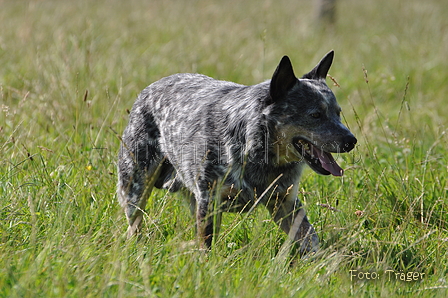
(320, 161)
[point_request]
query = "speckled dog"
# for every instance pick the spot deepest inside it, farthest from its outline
(232, 147)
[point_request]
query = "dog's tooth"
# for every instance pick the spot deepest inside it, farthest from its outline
(306, 147)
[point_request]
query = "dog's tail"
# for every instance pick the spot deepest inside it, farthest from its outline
(139, 160)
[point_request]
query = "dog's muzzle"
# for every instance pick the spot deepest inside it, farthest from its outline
(349, 143)
(320, 160)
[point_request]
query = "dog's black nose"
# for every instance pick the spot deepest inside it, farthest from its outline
(349, 143)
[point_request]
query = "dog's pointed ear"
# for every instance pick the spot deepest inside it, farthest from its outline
(320, 71)
(282, 80)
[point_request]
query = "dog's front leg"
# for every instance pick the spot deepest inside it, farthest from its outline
(290, 215)
(204, 223)
(208, 219)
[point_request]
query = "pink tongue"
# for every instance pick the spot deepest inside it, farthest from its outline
(328, 162)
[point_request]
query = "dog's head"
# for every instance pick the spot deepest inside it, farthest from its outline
(308, 115)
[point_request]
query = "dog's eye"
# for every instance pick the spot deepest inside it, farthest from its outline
(315, 115)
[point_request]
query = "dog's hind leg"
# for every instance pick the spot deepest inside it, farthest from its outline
(135, 218)
(133, 194)
(290, 215)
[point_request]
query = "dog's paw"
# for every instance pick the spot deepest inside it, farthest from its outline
(308, 241)
(309, 246)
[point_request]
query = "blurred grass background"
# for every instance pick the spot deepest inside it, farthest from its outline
(69, 72)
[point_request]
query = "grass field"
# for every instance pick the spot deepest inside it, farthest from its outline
(69, 72)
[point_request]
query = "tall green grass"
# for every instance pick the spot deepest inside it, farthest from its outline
(71, 69)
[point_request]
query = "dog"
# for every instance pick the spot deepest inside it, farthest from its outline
(232, 147)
